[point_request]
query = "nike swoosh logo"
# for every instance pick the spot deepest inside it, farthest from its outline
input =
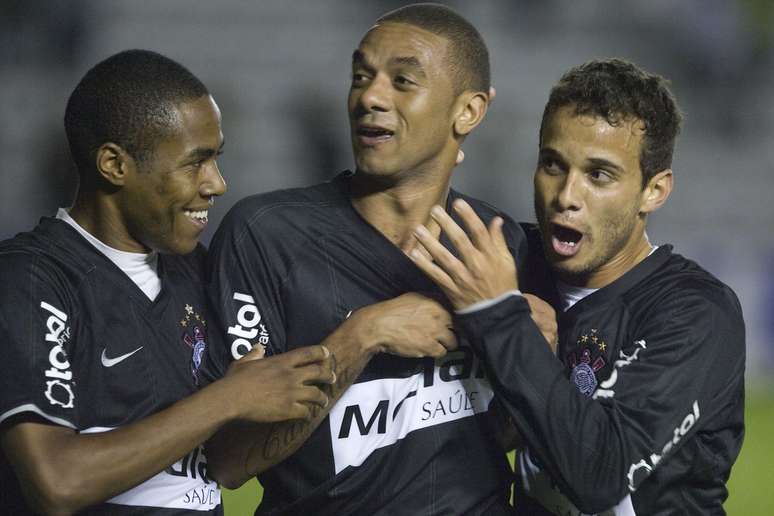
(110, 362)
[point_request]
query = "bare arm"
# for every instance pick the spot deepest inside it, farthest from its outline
(410, 325)
(62, 471)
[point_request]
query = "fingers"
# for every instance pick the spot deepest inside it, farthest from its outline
(477, 231)
(433, 271)
(434, 350)
(455, 233)
(442, 257)
(258, 352)
(537, 305)
(544, 317)
(448, 339)
(307, 355)
(318, 373)
(316, 396)
(497, 236)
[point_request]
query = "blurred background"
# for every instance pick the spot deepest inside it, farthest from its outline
(280, 72)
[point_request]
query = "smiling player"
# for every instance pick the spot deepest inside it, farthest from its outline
(103, 316)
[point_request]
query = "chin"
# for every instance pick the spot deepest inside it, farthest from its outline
(178, 248)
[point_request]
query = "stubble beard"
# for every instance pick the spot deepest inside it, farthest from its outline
(612, 237)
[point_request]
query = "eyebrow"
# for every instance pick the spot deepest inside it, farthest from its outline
(603, 163)
(358, 58)
(204, 152)
(548, 151)
(593, 162)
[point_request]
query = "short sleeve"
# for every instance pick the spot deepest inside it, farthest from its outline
(36, 322)
(245, 274)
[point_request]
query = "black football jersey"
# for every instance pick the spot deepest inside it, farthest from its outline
(410, 436)
(83, 347)
(643, 413)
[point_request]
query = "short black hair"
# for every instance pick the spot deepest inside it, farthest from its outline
(469, 57)
(618, 90)
(128, 99)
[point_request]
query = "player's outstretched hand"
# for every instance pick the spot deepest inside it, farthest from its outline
(410, 325)
(544, 317)
(485, 269)
(280, 387)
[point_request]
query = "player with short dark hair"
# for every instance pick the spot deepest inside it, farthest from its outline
(643, 413)
(467, 55)
(104, 319)
(128, 99)
(638, 94)
(409, 432)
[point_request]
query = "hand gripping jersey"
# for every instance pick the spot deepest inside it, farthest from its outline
(411, 436)
(83, 347)
(643, 411)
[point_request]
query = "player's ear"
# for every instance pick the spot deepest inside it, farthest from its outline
(657, 191)
(113, 163)
(469, 110)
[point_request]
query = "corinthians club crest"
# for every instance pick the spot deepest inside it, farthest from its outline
(194, 336)
(586, 361)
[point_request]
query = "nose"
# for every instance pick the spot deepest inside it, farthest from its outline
(212, 184)
(569, 195)
(376, 94)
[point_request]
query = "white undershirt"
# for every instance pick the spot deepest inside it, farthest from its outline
(570, 294)
(141, 268)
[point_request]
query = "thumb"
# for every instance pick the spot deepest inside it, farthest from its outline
(258, 352)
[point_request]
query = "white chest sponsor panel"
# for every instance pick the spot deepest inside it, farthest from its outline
(183, 485)
(374, 414)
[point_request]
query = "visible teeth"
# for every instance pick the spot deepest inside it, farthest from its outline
(571, 244)
(200, 214)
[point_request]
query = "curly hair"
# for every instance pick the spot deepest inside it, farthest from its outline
(128, 99)
(618, 91)
(469, 56)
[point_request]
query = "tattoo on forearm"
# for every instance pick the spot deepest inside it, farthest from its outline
(286, 436)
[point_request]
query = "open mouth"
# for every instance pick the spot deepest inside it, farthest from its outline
(373, 135)
(198, 217)
(565, 240)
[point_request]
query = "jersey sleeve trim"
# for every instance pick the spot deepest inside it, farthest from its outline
(30, 407)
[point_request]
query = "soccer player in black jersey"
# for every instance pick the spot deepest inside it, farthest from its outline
(409, 431)
(104, 319)
(643, 411)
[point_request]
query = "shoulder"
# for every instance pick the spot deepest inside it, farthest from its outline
(486, 211)
(683, 299)
(278, 212)
(48, 254)
(681, 283)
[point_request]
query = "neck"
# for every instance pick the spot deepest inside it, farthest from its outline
(397, 209)
(97, 213)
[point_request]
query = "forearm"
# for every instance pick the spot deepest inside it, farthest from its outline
(592, 448)
(63, 471)
(242, 450)
(563, 428)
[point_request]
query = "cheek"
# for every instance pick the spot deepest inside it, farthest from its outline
(543, 190)
(352, 99)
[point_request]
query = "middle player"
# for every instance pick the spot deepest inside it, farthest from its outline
(406, 435)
